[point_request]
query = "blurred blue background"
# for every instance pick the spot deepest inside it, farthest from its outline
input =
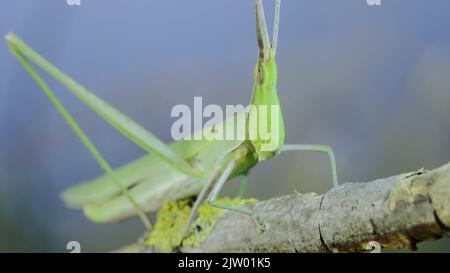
(372, 82)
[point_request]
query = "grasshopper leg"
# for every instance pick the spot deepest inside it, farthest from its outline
(215, 192)
(200, 198)
(317, 148)
(80, 133)
(243, 186)
(121, 122)
(218, 187)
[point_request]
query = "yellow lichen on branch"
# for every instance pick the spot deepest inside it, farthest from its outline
(167, 234)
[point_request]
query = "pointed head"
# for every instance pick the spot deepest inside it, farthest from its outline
(265, 120)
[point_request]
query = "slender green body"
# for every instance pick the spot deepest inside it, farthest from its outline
(151, 181)
(180, 169)
(183, 168)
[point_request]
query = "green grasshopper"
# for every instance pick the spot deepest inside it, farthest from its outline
(182, 168)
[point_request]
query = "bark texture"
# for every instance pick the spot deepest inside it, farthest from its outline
(396, 212)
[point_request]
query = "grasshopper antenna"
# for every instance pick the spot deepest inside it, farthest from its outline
(276, 25)
(262, 35)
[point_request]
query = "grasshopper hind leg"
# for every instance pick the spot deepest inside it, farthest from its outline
(81, 135)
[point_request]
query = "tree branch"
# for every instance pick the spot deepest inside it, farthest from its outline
(396, 212)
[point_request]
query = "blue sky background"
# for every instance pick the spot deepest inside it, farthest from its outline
(372, 82)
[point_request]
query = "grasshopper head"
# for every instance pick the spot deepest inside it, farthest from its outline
(265, 119)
